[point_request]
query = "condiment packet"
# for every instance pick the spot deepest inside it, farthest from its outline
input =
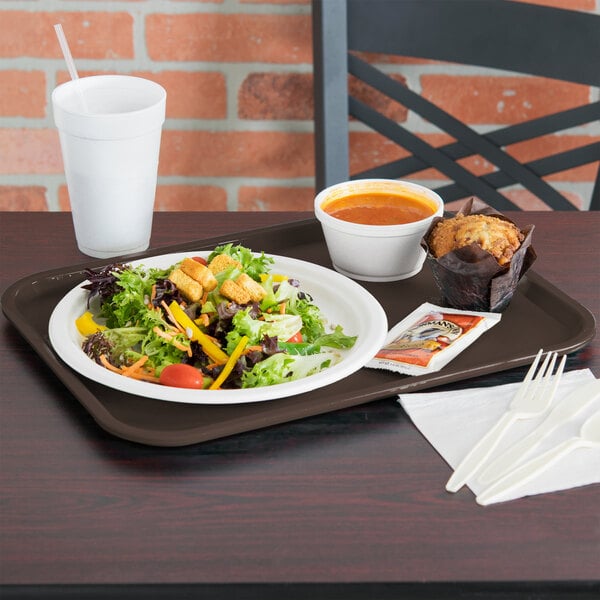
(429, 338)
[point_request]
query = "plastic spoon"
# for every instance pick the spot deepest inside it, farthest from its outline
(589, 437)
(576, 401)
(532, 398)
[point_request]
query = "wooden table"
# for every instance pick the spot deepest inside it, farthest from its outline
(346, 505)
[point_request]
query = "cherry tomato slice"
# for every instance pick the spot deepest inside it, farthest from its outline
(296, 338)
(183, 376)
(200, 259)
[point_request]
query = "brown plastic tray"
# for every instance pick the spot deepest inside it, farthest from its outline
(539, 316)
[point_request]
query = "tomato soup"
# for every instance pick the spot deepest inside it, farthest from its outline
(380, 208)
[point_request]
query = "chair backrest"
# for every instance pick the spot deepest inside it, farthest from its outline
(497, 34)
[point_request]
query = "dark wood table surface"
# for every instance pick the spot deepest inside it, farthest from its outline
(349, 504)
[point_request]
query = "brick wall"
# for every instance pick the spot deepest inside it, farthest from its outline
(238, 134)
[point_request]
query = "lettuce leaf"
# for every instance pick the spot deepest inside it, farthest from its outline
(282, 327)
(252, 265)
(283, 368)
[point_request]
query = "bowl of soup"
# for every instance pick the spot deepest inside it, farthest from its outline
(373, 227)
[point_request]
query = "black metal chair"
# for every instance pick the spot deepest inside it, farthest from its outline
(499, 34)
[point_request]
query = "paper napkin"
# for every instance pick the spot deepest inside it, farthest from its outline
(453, 422)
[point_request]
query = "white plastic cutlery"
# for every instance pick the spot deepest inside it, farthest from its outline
(566, 409)
(589, 437)
(532, 399)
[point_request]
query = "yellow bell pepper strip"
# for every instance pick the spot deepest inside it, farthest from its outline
(277, 278)
(216, 384)
(86, 325)
(212, 350)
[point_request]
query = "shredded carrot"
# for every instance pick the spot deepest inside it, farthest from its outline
(212, 350)
(105, 362)
(181, 347)
(282, 307)
(163, 334)
(171, 338)
(203, 319)
(133, 371)
(256, 348)
(171, 316)
(143, 376)
(136, 366)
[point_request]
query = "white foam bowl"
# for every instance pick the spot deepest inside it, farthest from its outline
(375, 252)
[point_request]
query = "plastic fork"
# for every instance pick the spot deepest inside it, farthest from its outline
(532, 399)
(588, 437)
(579, 399)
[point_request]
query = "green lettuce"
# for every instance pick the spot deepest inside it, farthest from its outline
(282, 327)
(127, 313)
(253, 266)
(283, 368)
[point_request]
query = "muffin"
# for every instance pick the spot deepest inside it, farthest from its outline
(498, 237)
(478, 257)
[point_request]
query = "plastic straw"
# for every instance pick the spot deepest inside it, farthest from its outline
(64, 46)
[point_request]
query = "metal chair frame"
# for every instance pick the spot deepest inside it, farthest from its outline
(499, 34)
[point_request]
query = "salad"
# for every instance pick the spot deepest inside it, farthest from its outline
(223, 322)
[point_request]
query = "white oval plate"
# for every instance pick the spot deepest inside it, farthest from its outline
(341, 300)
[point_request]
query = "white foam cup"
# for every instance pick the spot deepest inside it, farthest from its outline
(376, 252)
(110, 147)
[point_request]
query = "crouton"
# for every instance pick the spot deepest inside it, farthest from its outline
(202, 274)
(221, 262)
(189, 287)
(256, 291)
(232, 291)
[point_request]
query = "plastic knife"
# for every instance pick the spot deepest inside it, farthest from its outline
(575, 402)
(589, 437)
(526, 404)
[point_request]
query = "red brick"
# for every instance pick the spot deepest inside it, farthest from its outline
(25, 151)
(375, 99)
(190, 94)
(553, 144)
(229, 38)
(375, 58)
(276, 96)
(15, 198)
(63, 76)
(89, 34)
(525, 200)
(174, 198)
(271, 154)
(276, 198)
(63, 198)
(368, 150)
(501, 100)
(190, 197)
(23, 93)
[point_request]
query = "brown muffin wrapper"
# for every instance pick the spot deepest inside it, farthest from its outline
(470, 278)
